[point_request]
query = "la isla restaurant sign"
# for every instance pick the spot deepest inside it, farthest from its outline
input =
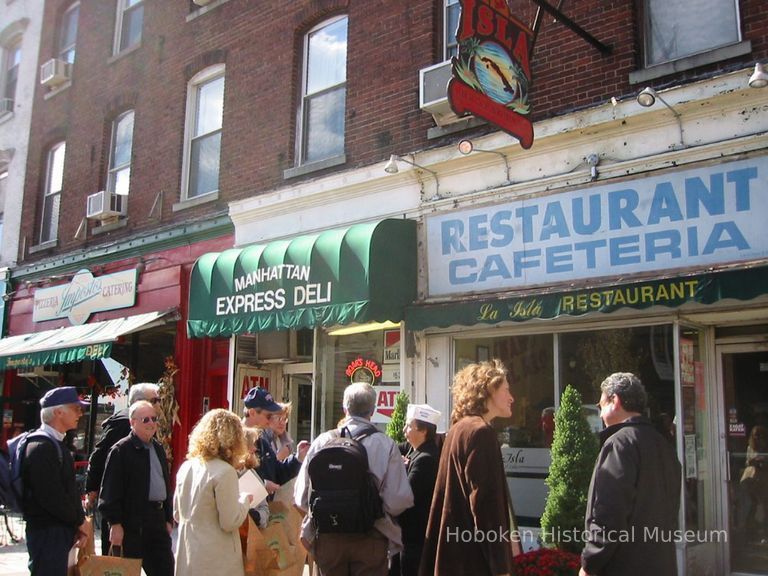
(492, 72)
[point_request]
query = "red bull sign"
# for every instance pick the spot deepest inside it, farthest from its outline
(492, 73)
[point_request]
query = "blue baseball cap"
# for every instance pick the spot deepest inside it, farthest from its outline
(262, 400)
(61, 396)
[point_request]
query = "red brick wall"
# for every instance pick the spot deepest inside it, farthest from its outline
(389, 41)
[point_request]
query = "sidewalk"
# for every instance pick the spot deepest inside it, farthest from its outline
(13, 560)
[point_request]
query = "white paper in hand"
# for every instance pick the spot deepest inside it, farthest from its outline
(250, 483)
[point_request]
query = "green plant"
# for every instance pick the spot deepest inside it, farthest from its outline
(574, 449)
(397, 422)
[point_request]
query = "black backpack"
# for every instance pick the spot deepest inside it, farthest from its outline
(344, 497)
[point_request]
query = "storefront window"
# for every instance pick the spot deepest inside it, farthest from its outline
(372, 357)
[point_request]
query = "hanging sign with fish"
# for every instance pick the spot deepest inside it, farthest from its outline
(491, 72)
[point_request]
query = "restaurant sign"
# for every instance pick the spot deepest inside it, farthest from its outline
(684, 219)
(491, 72)
(84, 295)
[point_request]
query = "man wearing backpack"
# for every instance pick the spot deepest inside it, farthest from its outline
(51, 500)
(342, 541)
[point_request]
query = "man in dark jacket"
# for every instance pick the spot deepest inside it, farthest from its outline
(634, 496)
(51, 500)
(259, 408)
(135, 494)
(421, 458)
(115, 428)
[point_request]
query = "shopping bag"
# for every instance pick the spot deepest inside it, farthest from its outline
(78, 556)
(258, 556)
(111, 565)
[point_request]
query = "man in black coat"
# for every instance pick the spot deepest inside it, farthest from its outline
(51, 500)
(136, 498)
(421, 458)
(634, 496)
(115, 428)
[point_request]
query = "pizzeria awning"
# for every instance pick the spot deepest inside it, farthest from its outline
(360, 273)
(742, 284)
(72, 343)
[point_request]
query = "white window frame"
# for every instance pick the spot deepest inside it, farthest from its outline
(8, 51)
(301, 148)
(49, 192)
(449, 36)
(122, 9)
(71, 47)
(190, 125)
(647, 33)
(113, 169)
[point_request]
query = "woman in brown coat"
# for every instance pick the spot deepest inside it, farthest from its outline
(469, 521)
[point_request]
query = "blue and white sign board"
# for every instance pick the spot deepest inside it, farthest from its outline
(688, 218)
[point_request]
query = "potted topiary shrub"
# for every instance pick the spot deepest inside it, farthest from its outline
(397, 422)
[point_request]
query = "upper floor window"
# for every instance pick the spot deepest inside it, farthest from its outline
(130, 19)
(11, 71)
(675, 29)
(68, 33)
(451, 24)
(324, 87)
(54, 179)
(205, 112)
(119, 176)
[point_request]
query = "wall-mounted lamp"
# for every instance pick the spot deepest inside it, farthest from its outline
(391, 168)
(647, 98)
(8, 296)
(759, 78)
(466, 147)
(592, 161)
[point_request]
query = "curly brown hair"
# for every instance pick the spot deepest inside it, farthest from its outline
(252, 436)
(218, 434)
(473, 385)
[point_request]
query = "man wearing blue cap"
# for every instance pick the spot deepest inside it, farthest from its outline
(51, 500)
(259, 408)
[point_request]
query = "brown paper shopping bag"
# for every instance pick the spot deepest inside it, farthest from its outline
(111, 566)
(258, 556)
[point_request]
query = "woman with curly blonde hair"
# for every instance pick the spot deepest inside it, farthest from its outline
(471, 495)
(207, 503)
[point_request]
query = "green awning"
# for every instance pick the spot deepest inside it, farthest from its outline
(72, 343)
(743, 284)
(362, 273)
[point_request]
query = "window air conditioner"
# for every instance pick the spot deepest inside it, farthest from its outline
(6, 105)
(433, 92)
(102, 205)
(54, 72)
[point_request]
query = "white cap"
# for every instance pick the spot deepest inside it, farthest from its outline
(423, 412)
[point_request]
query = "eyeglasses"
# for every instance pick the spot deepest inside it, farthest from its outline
(147, 419)
(155, 400)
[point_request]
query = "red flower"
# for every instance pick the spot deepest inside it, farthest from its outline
(547, 562)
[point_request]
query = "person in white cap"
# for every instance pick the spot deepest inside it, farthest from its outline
(421, 457)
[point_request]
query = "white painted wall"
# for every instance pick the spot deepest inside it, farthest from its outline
(23, 16)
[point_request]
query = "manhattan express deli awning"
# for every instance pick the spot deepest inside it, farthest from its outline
(72, 343)
(742, 284)
(361, 273)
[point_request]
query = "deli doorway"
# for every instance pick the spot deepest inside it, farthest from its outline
(743, 374)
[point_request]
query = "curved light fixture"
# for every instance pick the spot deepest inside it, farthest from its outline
(647, 97)
(391, 168)
(466, 147)
(759, 78)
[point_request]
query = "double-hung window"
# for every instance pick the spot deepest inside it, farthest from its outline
(128, 25)
(324, 88)
(54, 179)
(675, 29)
(450, 25)
(205, 113)
(119, 176)
(11, 75)
(68, 33)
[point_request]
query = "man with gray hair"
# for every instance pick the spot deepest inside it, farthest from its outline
(358, 553)
(634, 495)
(114, 428)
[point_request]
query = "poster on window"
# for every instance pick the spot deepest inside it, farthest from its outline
(687, 372)
(385, 403)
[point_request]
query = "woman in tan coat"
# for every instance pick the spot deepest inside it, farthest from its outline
(207, 504)
(469, 521)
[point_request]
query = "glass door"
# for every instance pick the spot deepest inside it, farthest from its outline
(744, 372)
